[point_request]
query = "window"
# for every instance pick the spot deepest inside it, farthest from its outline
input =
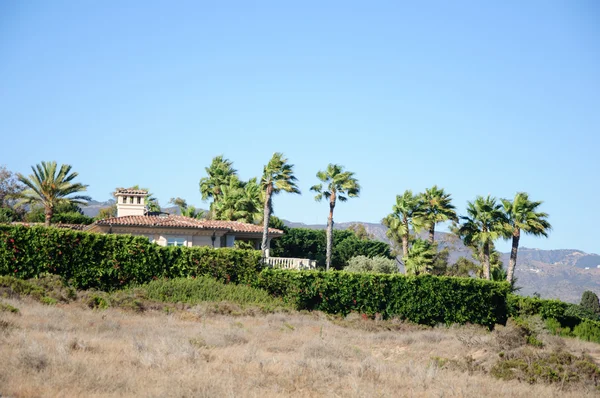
(131, 199)
(175, 241)
(124, 199)
(139, 200)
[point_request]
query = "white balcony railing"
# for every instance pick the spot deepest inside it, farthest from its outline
(291, 263)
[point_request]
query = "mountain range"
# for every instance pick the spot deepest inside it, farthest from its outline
(562, 274)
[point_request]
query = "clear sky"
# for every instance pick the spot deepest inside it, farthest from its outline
(477, 97)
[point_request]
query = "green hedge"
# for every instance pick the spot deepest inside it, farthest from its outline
(106, 262)
(571, 318)
(424, 299)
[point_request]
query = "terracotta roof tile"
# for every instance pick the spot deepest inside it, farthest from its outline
(175, 221)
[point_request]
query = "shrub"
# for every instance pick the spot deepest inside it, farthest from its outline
(589, 301)
(108, 262)
(425, 299)
(588, 330)
(379, 264)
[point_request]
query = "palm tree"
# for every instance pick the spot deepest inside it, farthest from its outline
(50, 188)
(522, 215)
(278, 176)
(241, 201)
(483, 224)
(187, 210)
(420, 258)
(407, 208)
(339, 184)
(437, 207)
(219, 173)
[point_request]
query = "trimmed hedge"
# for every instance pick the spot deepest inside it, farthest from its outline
(427, 299)
(573, 320)
(107, 262)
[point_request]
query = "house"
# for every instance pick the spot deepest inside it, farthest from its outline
(173, 230)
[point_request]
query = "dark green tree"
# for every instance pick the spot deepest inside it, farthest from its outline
(589, 301)
(436, 207)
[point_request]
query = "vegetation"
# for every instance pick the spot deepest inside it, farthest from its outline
(420, 258)
(378, 264)
(311, 244)
(436, 207)
(10, 188)
(278, 176)
(482, 226)
(404, 212)
(589, 302)
(50, 187)
(108, 262)
(64, 213)
(336, 184)
(187, 210)
(522, 216)
(424, 300)
(218, 173)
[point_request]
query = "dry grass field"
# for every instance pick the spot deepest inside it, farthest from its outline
(70, 350)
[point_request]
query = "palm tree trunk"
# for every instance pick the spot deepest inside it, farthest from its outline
(486, 261)
(513, 255)
(267, 210)
(330, 231)
(405, 245)
(431, 233)
(49, 214)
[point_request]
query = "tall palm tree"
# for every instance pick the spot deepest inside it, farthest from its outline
(407, 208)
(522, 215)
(219, 173)
(339, 185)
(484, 223)
(420, 258)
(50, 187)
(241, 201)
(437, 207)
(278, 176)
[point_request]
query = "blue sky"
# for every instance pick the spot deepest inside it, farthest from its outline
(476, 97)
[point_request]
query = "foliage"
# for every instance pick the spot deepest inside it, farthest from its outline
(108, 262)
(565, 317)
(187, 210)
(336, 184)
(311, 243)
(405, 213)
(483, 224)
(436, 207)
(589, 301)
(240, 201)
(10, 188)
(378, 264)
(64, 213)
(521, 215)
(107, 212)
(424, 299)
(205, 288)
(360, 231)
(50, 187)
(420, 258)
(278, 176)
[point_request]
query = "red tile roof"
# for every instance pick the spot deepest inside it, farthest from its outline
(174, 221)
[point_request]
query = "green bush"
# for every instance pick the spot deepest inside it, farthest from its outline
(561, 318)
(379, 264)
(204, 288)
(425, 299)
(108, 262)
(588, 330)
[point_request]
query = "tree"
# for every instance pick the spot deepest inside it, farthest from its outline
(589, 301)
(64, 213)
(436, 207)
(360, 231)
(49, 187)
(483, 224)
(185, 209)
(420, 258)
(408, 207)
(522, 216)
(379, 264)
(339, 185)
(107, 212)
(10, 188)
(278, 176)
(218, 173)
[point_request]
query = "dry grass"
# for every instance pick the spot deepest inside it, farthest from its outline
(71, 350)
